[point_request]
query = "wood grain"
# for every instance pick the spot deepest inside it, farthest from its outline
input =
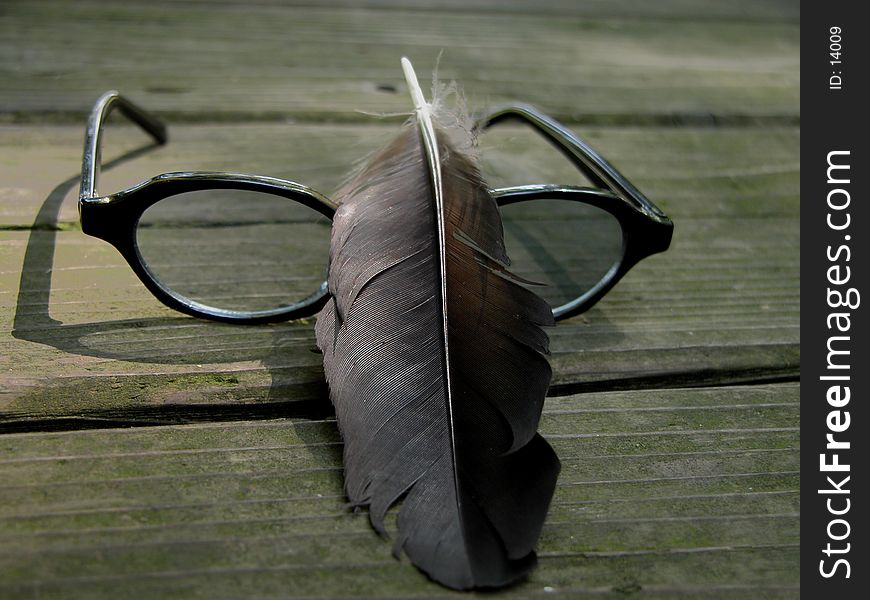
(667, 491)
(91, 345)
(632, 63)
(147, 454)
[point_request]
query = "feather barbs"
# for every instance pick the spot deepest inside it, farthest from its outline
(435, 359)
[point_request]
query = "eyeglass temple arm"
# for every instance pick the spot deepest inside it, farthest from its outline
(600, 172)
(91, 160)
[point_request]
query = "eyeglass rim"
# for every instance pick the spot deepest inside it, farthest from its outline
(113, 218)
(656, 236)
(646, 230)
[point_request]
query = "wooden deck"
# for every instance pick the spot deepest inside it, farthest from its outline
(148, 454)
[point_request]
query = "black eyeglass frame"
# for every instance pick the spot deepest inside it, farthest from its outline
(114, 218)
(646, 230)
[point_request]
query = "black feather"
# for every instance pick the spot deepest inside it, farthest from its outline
(435, 359)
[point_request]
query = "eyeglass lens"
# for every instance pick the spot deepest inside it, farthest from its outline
(235, 249)
(567, 246)
(250, 251)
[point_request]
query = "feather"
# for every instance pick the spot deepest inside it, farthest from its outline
(435, 358)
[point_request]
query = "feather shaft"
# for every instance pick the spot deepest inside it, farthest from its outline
(423, 113)
(435, 359)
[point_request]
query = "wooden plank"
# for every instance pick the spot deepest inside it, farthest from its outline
(605, 62)
(689, 172)
(665, 493)
(90, 344)
(698, 10)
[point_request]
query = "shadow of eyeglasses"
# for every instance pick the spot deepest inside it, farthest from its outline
(287, 395)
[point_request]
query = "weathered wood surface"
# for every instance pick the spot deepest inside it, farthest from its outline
(678, 492)
(720, 306)
(676, 482)
(635, 61)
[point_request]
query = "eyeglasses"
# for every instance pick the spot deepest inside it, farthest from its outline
(235, 247)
